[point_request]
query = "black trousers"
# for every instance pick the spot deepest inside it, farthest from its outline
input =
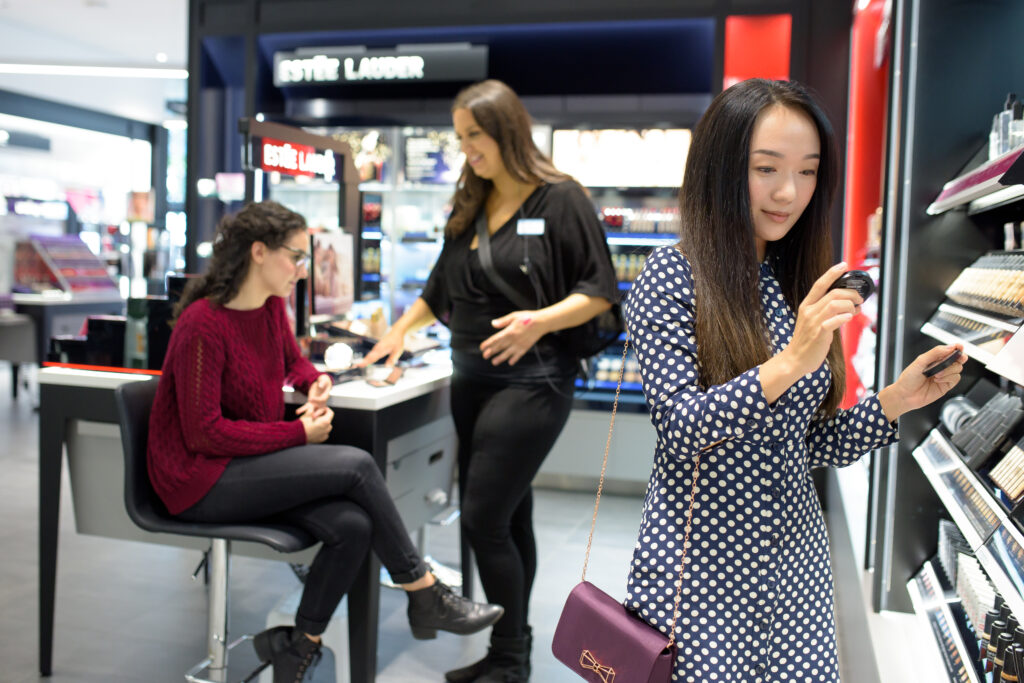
(338, 495)
(505, 432)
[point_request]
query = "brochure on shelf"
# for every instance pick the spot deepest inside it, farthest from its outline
(1009, 361)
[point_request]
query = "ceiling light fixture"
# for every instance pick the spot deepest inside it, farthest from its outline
(161, 57)
(102, 71)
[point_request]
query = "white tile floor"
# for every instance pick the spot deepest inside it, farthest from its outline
(129, 612)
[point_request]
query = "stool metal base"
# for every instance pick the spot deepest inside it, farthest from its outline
(215, 675)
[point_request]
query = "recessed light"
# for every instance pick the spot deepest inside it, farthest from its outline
(161, 57)
(83, 70)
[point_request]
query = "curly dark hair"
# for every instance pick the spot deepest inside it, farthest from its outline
(267, 222)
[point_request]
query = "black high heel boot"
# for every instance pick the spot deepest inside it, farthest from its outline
(437, 608)
(290, 652)
(496, 659)
(509, 661)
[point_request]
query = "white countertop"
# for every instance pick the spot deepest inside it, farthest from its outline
(356, 394)
(96, 379)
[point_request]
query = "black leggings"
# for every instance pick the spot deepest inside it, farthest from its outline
(505, 432)
(338, 495)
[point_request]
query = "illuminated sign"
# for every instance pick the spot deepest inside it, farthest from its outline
(293, 159)
(353, 65)
(36, 208)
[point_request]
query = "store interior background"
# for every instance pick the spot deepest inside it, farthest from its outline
(106, 138)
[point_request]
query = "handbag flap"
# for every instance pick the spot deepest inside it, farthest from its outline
(614, 639)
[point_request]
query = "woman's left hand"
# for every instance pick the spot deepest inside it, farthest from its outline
(520, 330)
(912, 390)
(316, 399)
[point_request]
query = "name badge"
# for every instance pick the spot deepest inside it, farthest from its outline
(530, 226)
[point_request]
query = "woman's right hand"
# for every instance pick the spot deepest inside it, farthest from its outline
(391, 345)
(819, 315)
(317, 425)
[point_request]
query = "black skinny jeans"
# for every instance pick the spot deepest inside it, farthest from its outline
(338, 495)
(505, 432)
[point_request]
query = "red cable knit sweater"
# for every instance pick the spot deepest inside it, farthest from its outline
(220, 396)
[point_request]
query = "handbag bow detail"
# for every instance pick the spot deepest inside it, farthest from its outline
(587, 661)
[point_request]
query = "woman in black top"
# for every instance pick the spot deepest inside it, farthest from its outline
(513, 382)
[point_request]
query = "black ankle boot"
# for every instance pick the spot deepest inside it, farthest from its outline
(509, 661)
(290, 652)
(468, 674)
(437, 608)
(499, 656)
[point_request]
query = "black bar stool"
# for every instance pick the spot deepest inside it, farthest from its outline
(134, 402)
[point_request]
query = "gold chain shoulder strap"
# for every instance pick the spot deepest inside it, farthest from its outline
(600, 488)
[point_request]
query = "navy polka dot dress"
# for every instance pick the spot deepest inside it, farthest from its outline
(756, 604)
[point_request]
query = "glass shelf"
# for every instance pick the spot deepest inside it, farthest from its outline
(641, 239)
(935, 608)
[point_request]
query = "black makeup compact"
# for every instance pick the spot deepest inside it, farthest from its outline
(858, 281)
(937, 367)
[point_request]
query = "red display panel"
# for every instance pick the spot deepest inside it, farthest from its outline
(757, 47)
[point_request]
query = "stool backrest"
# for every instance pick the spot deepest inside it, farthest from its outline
(134, 403)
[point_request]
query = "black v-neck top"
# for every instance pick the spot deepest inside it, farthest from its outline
(571, 256)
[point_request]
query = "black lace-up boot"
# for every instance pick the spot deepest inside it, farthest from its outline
(437, 608)
(290, 652)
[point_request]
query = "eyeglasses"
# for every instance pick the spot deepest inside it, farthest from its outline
(303, 256)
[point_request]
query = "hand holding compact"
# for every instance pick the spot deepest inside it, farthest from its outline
(914, 389)
(819, 315)
(519, 332)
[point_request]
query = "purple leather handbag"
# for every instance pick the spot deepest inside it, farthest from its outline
(603, 642)
(596, 636)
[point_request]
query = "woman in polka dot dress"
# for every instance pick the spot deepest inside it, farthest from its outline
(735, 331)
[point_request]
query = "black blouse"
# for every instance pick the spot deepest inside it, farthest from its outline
(570, 257)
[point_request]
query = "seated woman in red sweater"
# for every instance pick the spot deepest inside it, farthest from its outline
(221, 451)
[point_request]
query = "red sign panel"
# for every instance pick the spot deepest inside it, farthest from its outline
(294, 159)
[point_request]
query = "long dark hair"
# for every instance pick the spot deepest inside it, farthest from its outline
(500, 113)
(266, 222)
(717, 233)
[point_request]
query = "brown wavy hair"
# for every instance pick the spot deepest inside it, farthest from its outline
(500, 113)
(717, 233)
(267, 222)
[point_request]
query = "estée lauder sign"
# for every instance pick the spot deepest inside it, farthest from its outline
(355, 65)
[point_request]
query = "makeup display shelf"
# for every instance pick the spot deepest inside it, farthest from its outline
(941, 609)
(981, 512)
